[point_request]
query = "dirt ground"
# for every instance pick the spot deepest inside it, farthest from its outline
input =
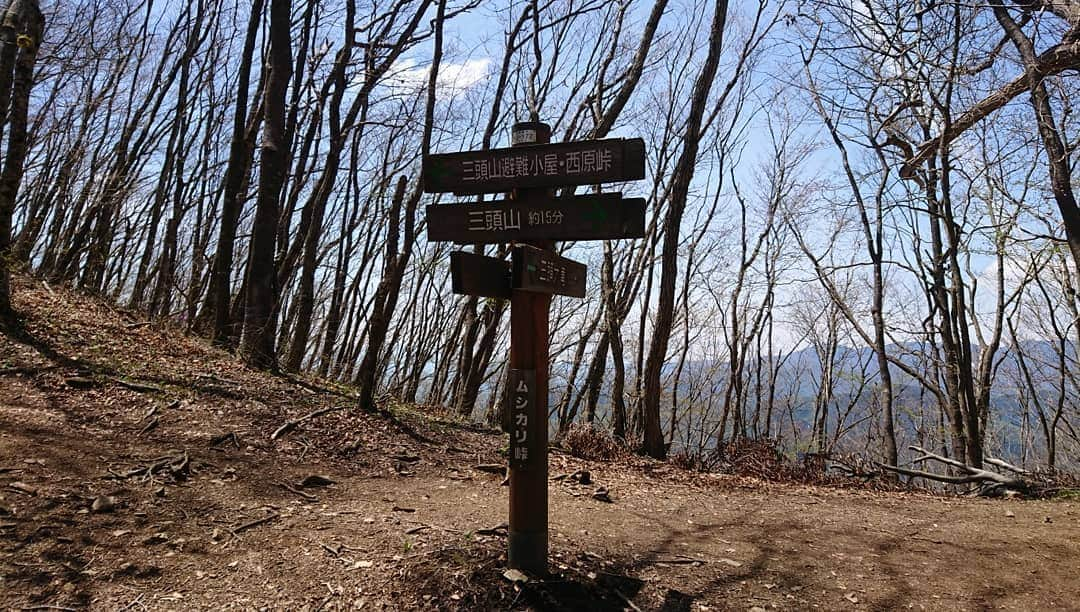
(137, 472)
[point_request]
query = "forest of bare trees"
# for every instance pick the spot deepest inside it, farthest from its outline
(862, 231)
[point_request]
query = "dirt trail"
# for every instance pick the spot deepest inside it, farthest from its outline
(90, 396)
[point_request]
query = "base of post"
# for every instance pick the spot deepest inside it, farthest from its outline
(528, 551)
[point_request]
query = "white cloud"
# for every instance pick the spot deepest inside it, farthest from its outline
(453, 78)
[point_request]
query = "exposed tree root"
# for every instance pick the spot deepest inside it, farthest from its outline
(291, 425)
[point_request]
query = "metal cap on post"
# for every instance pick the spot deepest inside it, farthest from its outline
(527, 546)
(530, 132)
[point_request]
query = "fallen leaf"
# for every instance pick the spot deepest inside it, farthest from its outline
(514, 575)
(851, 597)
(22, 487)
(103, 503)
(361, 565)
(157, 538)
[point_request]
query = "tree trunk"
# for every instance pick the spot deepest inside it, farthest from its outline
(240, 152)
(20, 34)
(653, 443)
(258, 340)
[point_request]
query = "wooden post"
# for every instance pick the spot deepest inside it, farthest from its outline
(529, 311)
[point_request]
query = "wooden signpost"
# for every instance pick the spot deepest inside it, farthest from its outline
(533, 216)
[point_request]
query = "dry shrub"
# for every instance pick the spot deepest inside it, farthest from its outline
(690, 461)
(588, 442)
(761, 458)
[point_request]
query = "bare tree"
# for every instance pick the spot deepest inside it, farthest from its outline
(258, 339)
(20, 34)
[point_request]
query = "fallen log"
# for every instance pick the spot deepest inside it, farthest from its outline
(990, 482)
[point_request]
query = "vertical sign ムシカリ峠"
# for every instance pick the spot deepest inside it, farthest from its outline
(522, 396)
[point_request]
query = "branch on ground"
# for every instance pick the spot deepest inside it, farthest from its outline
(990, 483)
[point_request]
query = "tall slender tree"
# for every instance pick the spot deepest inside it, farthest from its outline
(653, 442)
(20, 36)
(258, 340)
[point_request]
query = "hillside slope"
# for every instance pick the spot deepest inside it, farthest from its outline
(137, 471)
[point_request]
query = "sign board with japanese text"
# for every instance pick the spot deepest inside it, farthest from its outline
(545, 272)
(533, 219)
(590, 217)
(521, 394)
(479, 275)
(585, 162)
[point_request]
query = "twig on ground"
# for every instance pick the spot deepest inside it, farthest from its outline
(682, 560)
(26, 370)
(498, 530)
(291, 425)
(491, 468)
(153, 423)
(291, 489)
(225, 437)
(404, 427)
(138, 387)
(626, 599)
(255, 523)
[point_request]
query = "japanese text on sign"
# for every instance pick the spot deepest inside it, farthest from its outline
(549, 271)
(549, 164)
(510, 219)
(494, 220)
(545, 217)
(521, 397)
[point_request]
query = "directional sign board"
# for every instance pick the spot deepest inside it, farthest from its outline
(472, 274)
(596, 217)
(586, 162)
(545, 272)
